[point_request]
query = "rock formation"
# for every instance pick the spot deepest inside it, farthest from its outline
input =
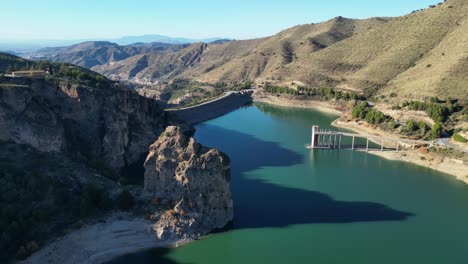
(115, 124)
(189, 180)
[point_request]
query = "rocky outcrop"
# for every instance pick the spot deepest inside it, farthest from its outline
(190, 181)
(113, 123)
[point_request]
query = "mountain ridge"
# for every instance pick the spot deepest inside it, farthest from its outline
(421, 54)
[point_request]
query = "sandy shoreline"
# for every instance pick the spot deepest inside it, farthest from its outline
(434, 161)
(317, 105)
(431, 160)
(97, 243)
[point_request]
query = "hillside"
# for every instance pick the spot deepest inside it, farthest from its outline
(419, 55)
(92, 53)
(149, 66)
(411, 55)
(416, 56)
(236, 60)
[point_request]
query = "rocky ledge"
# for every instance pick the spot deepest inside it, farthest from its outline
(188, 186)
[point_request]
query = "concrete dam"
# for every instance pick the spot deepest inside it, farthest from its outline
(213, 108)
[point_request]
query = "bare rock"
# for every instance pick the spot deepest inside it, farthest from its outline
(115, 124)
(191, 180)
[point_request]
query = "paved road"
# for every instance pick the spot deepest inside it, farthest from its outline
(445, 142)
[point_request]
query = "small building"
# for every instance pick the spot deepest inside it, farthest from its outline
(36, 74)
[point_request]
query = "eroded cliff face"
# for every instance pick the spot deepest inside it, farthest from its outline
(190, 181)
(113, 124)
(62, 144)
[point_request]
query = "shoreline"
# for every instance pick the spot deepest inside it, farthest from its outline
(123, 233)
(120, 234)
(281, 101)
(453, 167)
(433, 161)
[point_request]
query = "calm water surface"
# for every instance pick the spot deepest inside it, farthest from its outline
(295, 205)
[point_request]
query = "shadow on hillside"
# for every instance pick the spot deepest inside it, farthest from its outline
(261, 204)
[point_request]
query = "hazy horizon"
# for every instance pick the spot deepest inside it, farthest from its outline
(74, 20)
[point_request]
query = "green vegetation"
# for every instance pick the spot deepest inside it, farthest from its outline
(329, 93)
(419, 129)
(280, 90)
(372, 116)
(411, 128)
(9, 62)
(39, 194)
(445, 113)
(288, 52)
(69, 72)
(435, 110)
(459, 138)
(437, 130)
(82, 76)
(315, 93)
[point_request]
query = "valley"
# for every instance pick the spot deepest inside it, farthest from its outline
(155, 149)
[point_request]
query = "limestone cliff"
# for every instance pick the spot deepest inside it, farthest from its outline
(113, 123)
(191, 181)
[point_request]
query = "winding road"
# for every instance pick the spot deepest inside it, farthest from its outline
(446, 143)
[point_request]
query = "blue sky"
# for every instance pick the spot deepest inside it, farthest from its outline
(239, 19)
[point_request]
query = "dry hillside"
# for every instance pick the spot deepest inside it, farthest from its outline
(421, 54)
(416, 56)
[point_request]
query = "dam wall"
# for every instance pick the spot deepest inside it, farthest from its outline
(214, 108)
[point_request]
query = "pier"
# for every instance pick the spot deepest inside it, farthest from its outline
(328, 139)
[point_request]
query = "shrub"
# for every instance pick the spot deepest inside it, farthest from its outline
(411, 125)
(423, 127)
(436, 112)
(437, 130)
(280, 90)
(363, 111)
(459, 138)
(288, 52)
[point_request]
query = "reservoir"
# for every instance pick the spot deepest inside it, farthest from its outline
(297, 205)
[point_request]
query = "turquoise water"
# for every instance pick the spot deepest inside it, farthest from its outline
(296, 205)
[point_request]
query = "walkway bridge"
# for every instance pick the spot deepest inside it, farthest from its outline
(327, 139)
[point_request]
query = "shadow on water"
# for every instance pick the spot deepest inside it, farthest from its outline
(261, 204)
(157, 256)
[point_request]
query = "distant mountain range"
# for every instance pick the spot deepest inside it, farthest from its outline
(160, 39)
(94, 53)
(34, 45)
